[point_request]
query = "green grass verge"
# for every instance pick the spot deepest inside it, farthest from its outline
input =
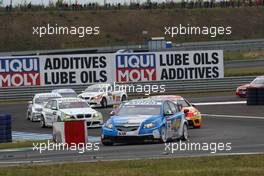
(19, 144)
(254, 71)
(122, 30)
(243, 55)
(249, 165)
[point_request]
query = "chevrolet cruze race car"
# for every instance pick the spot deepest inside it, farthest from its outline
(241, 91)
(102, 95)
(192, 114)
(145, 119)
(35, 107)
(70, 109)
(65, 93)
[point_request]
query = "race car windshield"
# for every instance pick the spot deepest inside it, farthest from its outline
(42, 100)
(72, 105)
(69, 94)
(129, 110)
(96, 88)
(258, 81)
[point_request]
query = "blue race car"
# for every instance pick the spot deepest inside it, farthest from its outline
(145, 119)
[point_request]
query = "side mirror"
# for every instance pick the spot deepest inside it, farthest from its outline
(112, 113)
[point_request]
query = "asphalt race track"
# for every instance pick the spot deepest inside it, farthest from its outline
(238, 124)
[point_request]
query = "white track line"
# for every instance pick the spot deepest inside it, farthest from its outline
(220, 103)
(232, 116)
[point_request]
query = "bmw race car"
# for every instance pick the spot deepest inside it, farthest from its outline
(145, 119)
(241, 91)
(70, 109)
(35, 107)
(65, 93)
(102, 95)
(192, 114)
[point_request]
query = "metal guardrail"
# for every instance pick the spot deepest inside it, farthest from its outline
(236, 45)
(206, 85)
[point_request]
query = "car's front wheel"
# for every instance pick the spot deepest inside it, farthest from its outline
(163, 135)
(123, 98)
(28, 116)
(104, 103)
(42, 122)
(185, 134)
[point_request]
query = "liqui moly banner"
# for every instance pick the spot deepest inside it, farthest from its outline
(54, 70)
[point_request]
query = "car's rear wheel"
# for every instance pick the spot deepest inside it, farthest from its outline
(185, 134)
(42, 122)
(163, 135)
(104, 103)
(106, 143)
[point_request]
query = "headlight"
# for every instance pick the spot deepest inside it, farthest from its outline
(98, 115)
(152, 124)
(66, 116)
(149, 125)
(98, 97)
(109, 125)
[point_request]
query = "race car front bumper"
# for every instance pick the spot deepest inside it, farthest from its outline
(113, 135)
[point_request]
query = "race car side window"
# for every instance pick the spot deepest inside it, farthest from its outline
(166, 109)
(172, 107)
(54, 104)
(183, 103)
(48, 105)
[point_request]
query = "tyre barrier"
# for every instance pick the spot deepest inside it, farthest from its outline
(5, 128)
(255, 96)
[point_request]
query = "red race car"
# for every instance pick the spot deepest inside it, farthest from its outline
(241, 91)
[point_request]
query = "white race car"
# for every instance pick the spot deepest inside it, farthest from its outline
(70, 109)
(102, 95)
(35, 106)
(65, 93)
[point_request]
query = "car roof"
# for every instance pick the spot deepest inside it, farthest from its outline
(167, 97)
(70, 100)
(62, 90)
(47, 95)
(144, 102)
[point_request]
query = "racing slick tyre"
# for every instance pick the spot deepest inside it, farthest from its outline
(163, 135)
(185, 134)
(123, 98)
(104, 103)
(59, 119)
(28, 116)
(42, 122)
(107, 143)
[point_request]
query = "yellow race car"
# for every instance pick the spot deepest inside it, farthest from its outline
(192, 114)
